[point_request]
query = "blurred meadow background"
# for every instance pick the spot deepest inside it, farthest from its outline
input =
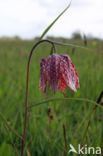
(48, 122)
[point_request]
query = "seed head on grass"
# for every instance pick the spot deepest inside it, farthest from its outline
(59, 72)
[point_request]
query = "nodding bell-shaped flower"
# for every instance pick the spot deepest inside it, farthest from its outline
(60, 73)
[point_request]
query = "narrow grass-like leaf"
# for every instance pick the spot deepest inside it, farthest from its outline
(6, 122)
(59, 99)
(91, 114)
(7, 129)
(48, 28)
(77, 46)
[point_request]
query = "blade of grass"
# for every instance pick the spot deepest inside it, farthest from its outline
(13, 144)
(6, 122)
(48, 28)
(91, 114)
(77, 46)
(59, 99)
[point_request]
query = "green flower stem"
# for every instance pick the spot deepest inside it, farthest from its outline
(27, 88)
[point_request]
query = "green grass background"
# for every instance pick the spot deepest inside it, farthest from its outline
(44, 136)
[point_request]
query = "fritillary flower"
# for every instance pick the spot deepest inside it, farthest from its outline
(59, 72)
